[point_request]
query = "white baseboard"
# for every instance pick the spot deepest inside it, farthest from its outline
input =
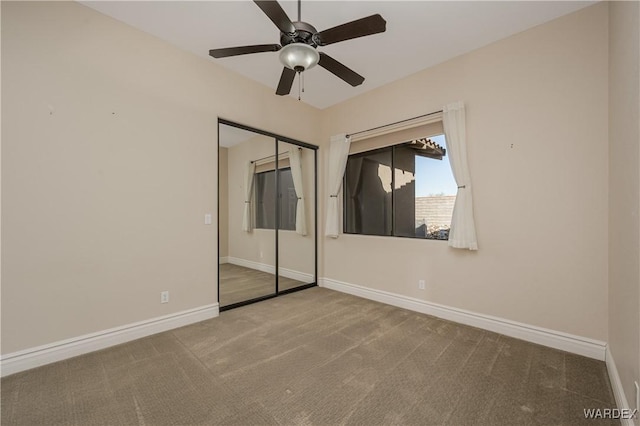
(296, 275)
(223, 259)
(616, 385)
(271, 269)
(542, 336)
(34, 357)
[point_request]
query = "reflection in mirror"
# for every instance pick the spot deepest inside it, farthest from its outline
(247, 239)
(296, 236)
(267, 215)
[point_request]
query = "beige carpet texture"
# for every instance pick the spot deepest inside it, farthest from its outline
(314, 357)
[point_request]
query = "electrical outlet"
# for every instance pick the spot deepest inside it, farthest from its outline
(421, 284)
(164, 297)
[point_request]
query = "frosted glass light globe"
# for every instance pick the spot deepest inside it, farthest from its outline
(299, 56)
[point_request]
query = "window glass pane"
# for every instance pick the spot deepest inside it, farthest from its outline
(265, 194)
(436, 191)
(404, 197)
(265, 185)
(288, 201)
(422, 197)
(368, 193)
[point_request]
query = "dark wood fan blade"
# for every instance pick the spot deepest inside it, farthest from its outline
(286, 81)
(274, 11)
(244, 50)
(340, 70)
(373, 24)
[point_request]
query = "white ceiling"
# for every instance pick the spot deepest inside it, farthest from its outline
(419, 34)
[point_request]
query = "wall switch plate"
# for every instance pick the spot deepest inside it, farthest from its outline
(164, 297)
(207, 219)
(421, 284)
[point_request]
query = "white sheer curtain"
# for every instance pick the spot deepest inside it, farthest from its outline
(248, 191)
(295, 162)
(338, 153)
(463, 228)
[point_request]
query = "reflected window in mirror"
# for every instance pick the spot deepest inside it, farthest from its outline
(265, 195)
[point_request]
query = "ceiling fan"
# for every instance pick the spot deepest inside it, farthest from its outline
(299, 41)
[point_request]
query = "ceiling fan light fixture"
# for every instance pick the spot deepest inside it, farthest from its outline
(298, 42)
(299, 56)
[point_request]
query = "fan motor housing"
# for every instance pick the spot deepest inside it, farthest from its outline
(304, 34)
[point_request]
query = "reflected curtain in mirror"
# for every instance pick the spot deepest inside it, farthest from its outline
(248, 192)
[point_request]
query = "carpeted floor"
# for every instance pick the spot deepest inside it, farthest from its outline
(316, 357)
(239, 284)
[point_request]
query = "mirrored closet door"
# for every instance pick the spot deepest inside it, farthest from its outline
(266, 215)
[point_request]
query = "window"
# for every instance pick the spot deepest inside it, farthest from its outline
(403, 190)
(266, 201)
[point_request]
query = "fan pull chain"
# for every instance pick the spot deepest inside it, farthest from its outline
(300, 83)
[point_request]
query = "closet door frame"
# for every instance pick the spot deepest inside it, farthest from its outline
(277, 138)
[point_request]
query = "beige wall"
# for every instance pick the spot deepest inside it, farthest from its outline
(537, 137)
(223, 201)
(108, 167)
(296, 252)
(624, 192)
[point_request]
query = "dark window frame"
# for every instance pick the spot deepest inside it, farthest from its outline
(393, 190)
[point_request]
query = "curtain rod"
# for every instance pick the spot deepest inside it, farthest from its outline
(272, 156)
(393, 124)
